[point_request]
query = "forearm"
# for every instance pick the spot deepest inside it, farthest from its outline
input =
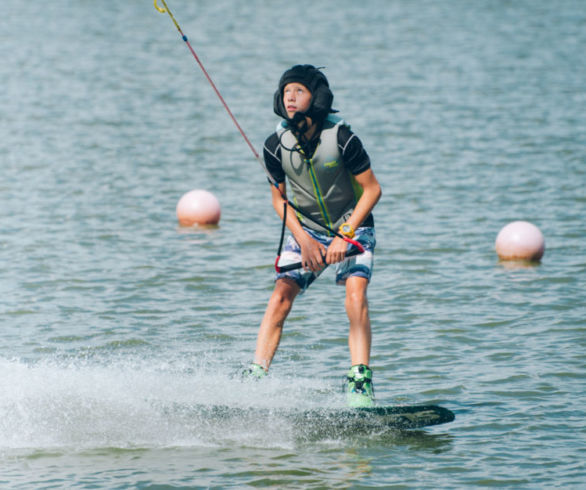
(312, 252)
(365, 204)
(292, 222)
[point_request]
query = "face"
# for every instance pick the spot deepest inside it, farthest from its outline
(296, 98)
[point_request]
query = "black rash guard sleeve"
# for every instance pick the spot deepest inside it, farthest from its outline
(272, 158)
(354, 155)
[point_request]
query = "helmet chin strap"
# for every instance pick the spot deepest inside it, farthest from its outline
(299, 125)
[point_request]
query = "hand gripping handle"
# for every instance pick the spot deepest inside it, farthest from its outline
(357, 249)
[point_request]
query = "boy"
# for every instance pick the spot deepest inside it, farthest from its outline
(329, 173)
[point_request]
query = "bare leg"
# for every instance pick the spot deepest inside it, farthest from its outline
(360, 337)
(271, 326)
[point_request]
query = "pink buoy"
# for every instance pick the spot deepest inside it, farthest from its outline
(198, 207)
(520, 240)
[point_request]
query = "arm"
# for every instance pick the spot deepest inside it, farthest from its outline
(370, 196)
(312, 252)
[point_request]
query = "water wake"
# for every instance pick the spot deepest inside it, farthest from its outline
(142, 403)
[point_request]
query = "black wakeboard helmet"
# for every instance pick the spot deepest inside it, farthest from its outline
(316, 82)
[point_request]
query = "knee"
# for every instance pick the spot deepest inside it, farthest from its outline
(356, 301)
(282, 298)
(355, 297)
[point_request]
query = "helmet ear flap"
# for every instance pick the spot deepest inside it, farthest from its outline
(321, 104)
(278, 105)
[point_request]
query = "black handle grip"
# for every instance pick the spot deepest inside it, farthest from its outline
(298, 265)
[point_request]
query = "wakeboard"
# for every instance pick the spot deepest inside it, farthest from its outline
(371, 418)
(324, 422)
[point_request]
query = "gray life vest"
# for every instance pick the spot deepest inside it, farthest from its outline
(321, 185)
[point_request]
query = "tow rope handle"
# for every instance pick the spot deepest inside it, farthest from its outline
(356, 249)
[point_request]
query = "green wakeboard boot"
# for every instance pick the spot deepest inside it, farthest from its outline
(254, 371)
(359, 389)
